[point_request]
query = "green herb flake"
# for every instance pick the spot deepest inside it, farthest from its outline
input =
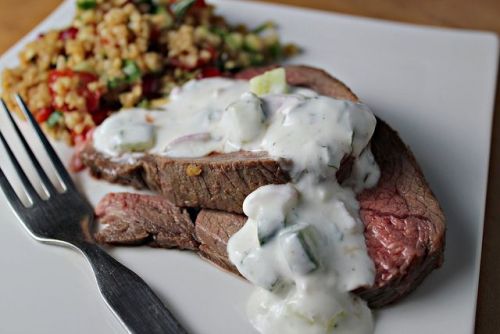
(256, 59)
(276, 51)
(160, 10)
(116, 82)
(234, 40)
(146, 104)
(264, 26)
(86, 4)
(54, 119)
(222, 32)
(131, 70)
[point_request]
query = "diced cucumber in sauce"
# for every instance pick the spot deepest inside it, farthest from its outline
(299, 249)
(271, 82)
(257, 271)
(268, 207)
(136, 138)
(243, 120)
(267, 229)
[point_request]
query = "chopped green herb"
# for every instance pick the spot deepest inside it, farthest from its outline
(54, 118)
(276, 51)
(234, 40)
(131, 70)
(264, 26)
(160, 10)
(86, 4)
(180, 7)
(219, 31)
(256, 59)
(252, 43)
(146, 104)
(116, 82)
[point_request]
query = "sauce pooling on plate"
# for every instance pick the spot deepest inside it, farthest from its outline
(303, 245)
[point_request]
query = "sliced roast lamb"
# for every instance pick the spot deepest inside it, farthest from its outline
(134, 219)
(218, 181)
(404, 225)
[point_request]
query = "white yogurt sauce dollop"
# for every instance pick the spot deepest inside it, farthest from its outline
(303, 245)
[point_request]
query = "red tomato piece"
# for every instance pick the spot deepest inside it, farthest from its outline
(99, 116)
(92, 97)
(200, 4)
(69, 33)
(43, 114)
(210, 72)
(151, 86)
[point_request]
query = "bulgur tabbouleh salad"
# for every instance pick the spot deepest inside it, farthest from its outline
(124, 53)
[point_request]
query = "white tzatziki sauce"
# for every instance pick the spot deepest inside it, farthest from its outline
(303, 245)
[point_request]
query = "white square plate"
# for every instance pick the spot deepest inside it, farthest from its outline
(435, 86)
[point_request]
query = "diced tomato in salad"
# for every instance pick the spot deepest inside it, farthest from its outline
(69, 33)
(99, 116)
(209, 72)
(92, 97)
(43, 114)
(151, 85)
(200, 3)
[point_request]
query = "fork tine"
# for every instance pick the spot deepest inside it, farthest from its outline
(58, 165)
(10, 193)
(20, 172)
(45, 179)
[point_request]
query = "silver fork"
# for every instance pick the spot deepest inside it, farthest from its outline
(64, 219)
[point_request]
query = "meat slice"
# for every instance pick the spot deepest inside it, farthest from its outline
(404, 225)
(218, 181)
(213, 230)
(134, 219)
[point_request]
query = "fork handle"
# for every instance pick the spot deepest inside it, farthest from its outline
(129, 297)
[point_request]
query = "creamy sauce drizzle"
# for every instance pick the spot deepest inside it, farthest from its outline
(303, 244)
